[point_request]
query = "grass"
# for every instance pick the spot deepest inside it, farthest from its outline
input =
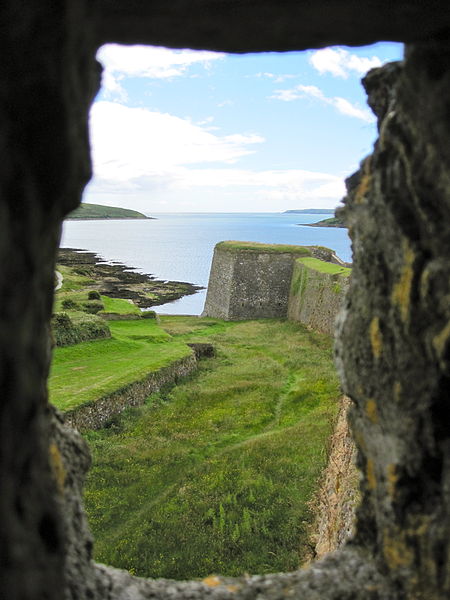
(325, 267)
(215, 475)
(120, 306)
(89, 370)
(258, 247)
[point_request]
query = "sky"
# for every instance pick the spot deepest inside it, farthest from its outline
(197, 131)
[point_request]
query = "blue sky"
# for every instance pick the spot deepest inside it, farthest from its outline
(186, 131)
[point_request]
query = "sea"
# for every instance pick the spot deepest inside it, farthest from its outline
(179, 246)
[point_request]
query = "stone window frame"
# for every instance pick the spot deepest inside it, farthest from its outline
(396, 369)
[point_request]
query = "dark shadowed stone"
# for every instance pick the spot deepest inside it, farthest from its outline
(249, 26)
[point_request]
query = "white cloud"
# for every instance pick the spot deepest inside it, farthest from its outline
(340, 104)
(225, 103)
(347, 108)
(277, 78)
(129, 143)
(341, 63)
(140, 155)
(147, 62)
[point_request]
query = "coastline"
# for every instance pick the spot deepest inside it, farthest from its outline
(122, 281)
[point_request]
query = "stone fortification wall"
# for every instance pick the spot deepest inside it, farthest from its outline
(257, 281)
(217, 303)
(250, 280)
(317, 292)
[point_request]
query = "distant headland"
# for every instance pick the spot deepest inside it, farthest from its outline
(331, 222)
(335, 221)
(311, 211)
(98, 211)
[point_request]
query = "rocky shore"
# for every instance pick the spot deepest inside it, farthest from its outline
(119, 281)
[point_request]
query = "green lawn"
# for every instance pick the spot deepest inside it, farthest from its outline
(215, 475)
(89, 370)
(325, 267)
(120, 306)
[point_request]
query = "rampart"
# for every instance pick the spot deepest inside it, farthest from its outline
(257, 281)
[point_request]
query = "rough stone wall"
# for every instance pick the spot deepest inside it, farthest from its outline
(47, 79)
(248, 284)
(260, 285)
(218, 297)
(316, 298)
(393, 348)
(394, 338)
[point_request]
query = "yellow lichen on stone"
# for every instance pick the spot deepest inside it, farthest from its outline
(397, 389)
(359, 440)
(212, 581)
(57, 466)
(401, 292)
(391, 479)
(376, 338)
(395, 550)
(370, 474)
(362, 188)
(372, 411)
(442, 340)
(364, 184)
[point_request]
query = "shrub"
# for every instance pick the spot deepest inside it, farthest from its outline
(66, 332)
(93, 306)
(94, 295)
(69, 304)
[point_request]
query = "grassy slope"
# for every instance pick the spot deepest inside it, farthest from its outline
(325, 267)
(215, 475)
(89, 370)
(98, 211)
(119, 306)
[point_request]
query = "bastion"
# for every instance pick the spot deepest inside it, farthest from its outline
(249, 280)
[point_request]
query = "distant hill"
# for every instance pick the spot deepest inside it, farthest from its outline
(331, 222)
(312, 211)
(98, 211)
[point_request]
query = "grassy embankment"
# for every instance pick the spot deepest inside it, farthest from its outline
(84, 372)
(215, 475)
